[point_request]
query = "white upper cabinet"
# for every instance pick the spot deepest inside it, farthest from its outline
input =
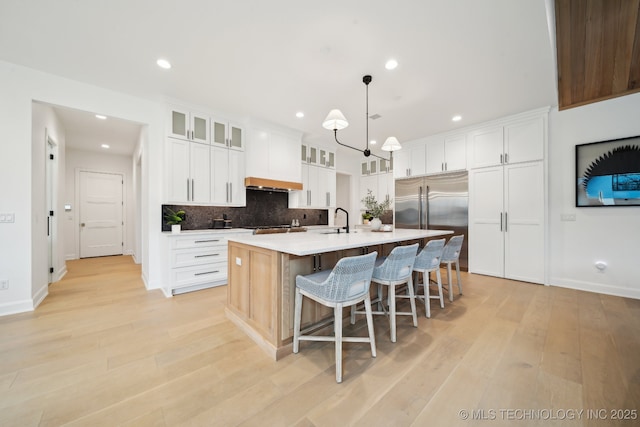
(227, 177)
(515, 142)
(188, 171)
(309, 154)
(369, 166)
(227, 134)
(189, 125)
(327, 158)
(385, 165)
(447, 154)
(524, 141)
(410, 161)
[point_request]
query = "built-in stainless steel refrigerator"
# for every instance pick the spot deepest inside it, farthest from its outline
(438, 202)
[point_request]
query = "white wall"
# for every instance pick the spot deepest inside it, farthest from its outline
(610, 234)
(45, 124)
(77, 160)
(21, 260)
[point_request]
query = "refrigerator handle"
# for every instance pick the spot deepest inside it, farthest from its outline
(426, 207)
(420, 207)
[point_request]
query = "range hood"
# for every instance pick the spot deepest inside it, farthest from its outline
(254, 183)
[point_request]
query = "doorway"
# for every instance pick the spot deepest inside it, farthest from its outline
(343, 199)
(101, 214)
(51, 174)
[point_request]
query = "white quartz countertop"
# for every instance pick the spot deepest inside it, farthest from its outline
(302, 244)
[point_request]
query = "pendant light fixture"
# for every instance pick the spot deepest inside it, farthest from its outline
(336, 121)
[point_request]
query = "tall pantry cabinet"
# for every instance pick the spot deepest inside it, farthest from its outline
(507, 199)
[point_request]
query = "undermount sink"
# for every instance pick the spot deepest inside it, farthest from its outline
(335, 231)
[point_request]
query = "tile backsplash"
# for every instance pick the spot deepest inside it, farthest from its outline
(263, 208)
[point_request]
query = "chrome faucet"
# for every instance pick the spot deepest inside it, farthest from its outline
(336, 214)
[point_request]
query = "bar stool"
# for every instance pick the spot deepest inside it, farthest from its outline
(428, 260)
(450, 255)
(391, 271)
(346, 285)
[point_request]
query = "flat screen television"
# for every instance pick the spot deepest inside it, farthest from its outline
(608, 173)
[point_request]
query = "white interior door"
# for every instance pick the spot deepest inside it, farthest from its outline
(101, 205)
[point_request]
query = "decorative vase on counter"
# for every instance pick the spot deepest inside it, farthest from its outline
(175, 228)
(375, 224)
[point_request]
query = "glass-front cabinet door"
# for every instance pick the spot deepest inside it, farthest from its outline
(327, 158)
(188, 125)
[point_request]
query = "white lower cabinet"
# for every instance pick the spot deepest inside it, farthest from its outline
(196, 260)
(506, 221)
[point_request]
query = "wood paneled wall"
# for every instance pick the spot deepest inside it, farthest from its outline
(598, 48)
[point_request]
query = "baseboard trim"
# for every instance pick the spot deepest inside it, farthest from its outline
(16, 307)
(40, 296)
(60, 274)
(596, 287)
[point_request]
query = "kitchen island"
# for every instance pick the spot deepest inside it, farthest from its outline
(263, 268)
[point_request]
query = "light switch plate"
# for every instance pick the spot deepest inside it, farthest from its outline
(568, 217)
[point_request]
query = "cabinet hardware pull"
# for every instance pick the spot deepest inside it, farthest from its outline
(500, 221)
(506, 157)
(204, 256)
(506, 222)
(231, 192)
(501, 162)
(188, 194)
(207, 241)
(206, 272)
(193, 191)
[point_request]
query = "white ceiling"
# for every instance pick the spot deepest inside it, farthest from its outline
(269, 59)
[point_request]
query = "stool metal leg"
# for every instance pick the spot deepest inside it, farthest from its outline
(338, 336)
(458, 277)
(297, 320)
(412, 301)
(372, 335)
(392, 311)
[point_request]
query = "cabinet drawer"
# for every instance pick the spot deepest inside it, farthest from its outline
(198, 275)
(198, 242)
(198, 256)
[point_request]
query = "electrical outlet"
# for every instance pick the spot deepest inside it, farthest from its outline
(238, 261)
(4, 284)
(7, 217)
(568, 217)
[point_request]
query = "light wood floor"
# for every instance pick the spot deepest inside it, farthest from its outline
(101, 350)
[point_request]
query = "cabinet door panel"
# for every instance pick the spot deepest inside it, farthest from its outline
(487, 148)
(200, 180)
(455, 149)
(200, 128)
(486, 240)
(524, 141)
(236, 137)
(179, 124)
(418, 161)
(219, 134)
(179, 181)
(219, 175)
(434, 156)
(524, 235)
(237, 190)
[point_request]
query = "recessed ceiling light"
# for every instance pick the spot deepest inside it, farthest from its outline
(456, 118)
(101, 117)
(391, 64)
(105, 146)
(299, 114)
(163, 63)
(372, 142)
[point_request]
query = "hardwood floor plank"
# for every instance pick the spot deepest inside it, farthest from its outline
(102, 350)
